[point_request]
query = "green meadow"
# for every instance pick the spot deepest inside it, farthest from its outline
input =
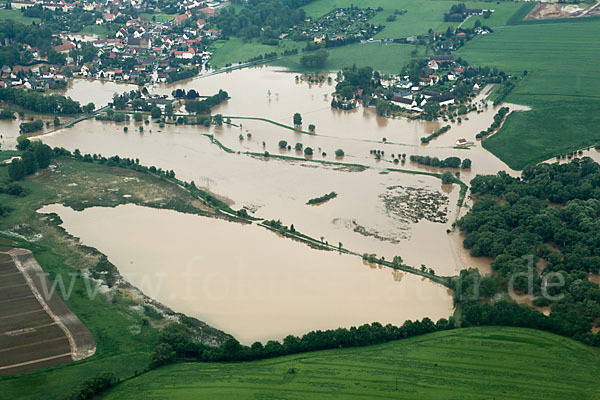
(387, 58)
(421, 15)
(17, 16)
(235, 50)
(562, 86)
(470, 363)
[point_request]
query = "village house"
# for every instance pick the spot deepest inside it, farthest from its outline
(65, 47)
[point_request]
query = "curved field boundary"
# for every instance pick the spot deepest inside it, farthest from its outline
(274, 123)
(80, 338)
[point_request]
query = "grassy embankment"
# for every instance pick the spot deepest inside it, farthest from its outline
(124, 340)
(562, 87)
(469, 363)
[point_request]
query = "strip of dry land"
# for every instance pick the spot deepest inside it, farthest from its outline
(36, 330)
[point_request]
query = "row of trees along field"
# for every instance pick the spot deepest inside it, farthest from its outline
(175, 342)
(204, 106)
(551, 214)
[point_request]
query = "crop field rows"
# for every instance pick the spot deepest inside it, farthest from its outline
(29, 337)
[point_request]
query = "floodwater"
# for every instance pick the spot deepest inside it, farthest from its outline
(246, 280)
(99, 92)
(364, 216)
(376, 211)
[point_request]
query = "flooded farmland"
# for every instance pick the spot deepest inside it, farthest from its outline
(246, 280)
(382, 207)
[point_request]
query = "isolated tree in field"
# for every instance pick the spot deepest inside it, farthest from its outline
(282, 144)
(155, 112)
(169, 109)
(298, 147)
(297, 119)
(447, 178)
(311, 128)
(16, 170)
(339, 153)
(29, 162)
(23, 143)
(42, 153)
(308, 151)
(89, 108)
(466, 163)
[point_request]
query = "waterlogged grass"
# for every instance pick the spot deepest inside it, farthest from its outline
(562, 87)
(470, 363)
(273, 123)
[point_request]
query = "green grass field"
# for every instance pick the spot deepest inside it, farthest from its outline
(234, 50)
(159, 17)
(471, 363)
(421, 16)
(387, 58)
(99, 30)
(562, 87)
(17, 16)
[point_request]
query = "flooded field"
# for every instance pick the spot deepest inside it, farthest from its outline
(364, 215)
(246, 280)
(99, 92)
(370, 214)
(377, 210)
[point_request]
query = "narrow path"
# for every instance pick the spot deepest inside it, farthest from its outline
(80, 338)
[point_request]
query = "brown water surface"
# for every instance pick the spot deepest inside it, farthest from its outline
(246, 280)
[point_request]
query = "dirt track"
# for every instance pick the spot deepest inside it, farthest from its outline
(35, 332)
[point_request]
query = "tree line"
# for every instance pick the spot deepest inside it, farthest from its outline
(35, 156)
(37, 102)
(448, 162)
(176, 343)
(550, 214)
(204, 106)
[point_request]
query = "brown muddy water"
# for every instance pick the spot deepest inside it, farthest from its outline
(378, 211)
(246, 280)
